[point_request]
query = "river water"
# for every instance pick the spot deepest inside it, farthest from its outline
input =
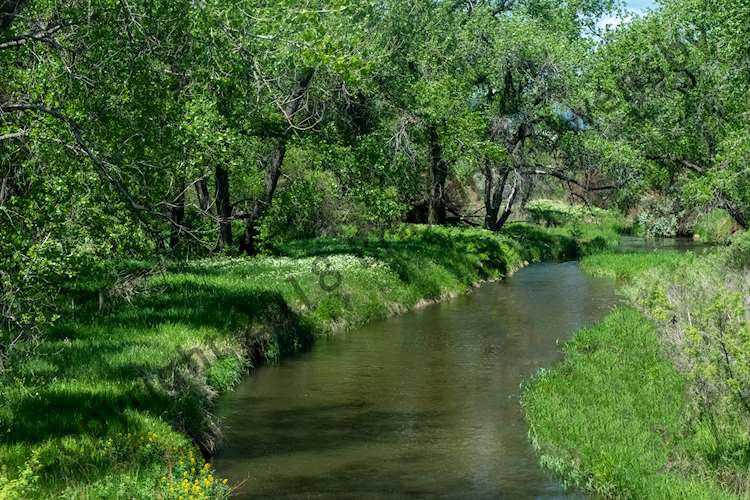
(424, 405)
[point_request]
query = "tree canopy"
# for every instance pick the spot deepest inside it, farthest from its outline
(131, 129)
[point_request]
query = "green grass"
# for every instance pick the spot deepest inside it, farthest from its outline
(626, 266)
(110, 403)
(560, 213)
(617, 418)
(559, 243)
(716, 226)
(608, 418)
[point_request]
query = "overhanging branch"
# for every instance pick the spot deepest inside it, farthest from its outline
(40, 35)
(565, 178)
(77, 133)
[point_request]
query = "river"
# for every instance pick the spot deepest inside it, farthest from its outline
(423, 405)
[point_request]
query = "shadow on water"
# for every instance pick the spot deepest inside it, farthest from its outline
(425, 405)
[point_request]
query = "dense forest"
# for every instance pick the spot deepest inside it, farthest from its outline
(150, 138)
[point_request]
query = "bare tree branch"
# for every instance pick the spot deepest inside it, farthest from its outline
(563, 177)
(101, 166)
(13, 135)
(9, 11)
(77, 132)
(42, 35)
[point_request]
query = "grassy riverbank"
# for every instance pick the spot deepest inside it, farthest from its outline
(625, 266)
(112, 402)
(650, 402)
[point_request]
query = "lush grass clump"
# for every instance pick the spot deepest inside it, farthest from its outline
(114, 399)
(716, 226)
(431, 260)
(654, 404)
(559, 243)
(609, 417)
(625, 267)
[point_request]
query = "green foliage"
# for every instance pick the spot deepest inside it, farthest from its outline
(738, 254)
(563, 243)
(609, 419)
(715, 227)
(24, 485)
(670, 84)
(659, 217)
(305, 210)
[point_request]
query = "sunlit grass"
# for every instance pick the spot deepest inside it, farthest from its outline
(625, 267)
(609, 417)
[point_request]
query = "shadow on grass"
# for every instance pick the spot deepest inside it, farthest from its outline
(138, 357)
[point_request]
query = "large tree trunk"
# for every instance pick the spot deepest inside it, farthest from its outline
(248, 244)
(223, 207)
(204, 198)
(273, 173)
(438, 177)
(508, 210)
(739, 216)
(494, 220)
(177, 217)
(493, 195)
(4, 191)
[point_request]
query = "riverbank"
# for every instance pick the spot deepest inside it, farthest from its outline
(112, 403)
(650, 403)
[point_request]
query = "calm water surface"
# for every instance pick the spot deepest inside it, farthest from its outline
(424, 405)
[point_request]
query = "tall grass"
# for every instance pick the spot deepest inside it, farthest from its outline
(655, 403)
(609, 417)
(625, 267)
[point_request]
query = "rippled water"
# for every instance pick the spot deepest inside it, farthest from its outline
(421, 405)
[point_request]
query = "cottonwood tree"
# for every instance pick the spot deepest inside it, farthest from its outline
(674, 85)
(532, 63)
(296, 60)
(427, 85)
(92, 145)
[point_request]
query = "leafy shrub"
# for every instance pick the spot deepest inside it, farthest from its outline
(25, 484)
(738, 254)
(306, 209)
(658, 225)
(705, 317)
(716, 226)
(662, 217)
(374, 206)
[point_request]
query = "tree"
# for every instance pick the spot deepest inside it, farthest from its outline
(674, 86)
(532, 65)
